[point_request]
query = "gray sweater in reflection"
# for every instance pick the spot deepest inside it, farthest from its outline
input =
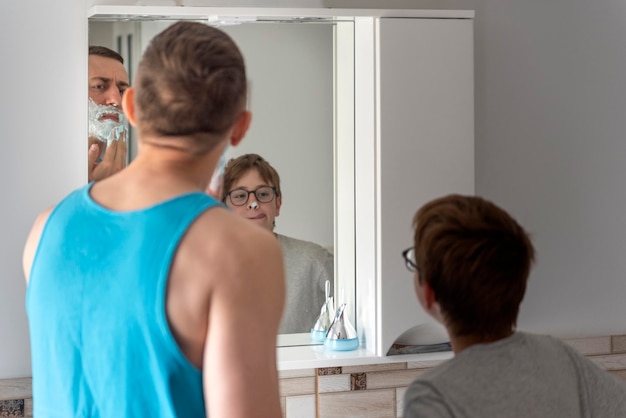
(307, 267)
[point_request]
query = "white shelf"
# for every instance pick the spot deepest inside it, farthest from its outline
(316, 356)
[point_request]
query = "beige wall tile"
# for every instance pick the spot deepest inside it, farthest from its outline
(618, 344)
(286, 374)
(28, 408)
(297, 386)
(373, 368)
(324, 371)
(12, 408)
(333, 383)
(282, 405)
(426, 364)
(400, 401)
(393, 379)
(611, 362)
(301, 407)
(361, 404)
(591, 345)
(358, 381)
(619, 373)
(20, 388)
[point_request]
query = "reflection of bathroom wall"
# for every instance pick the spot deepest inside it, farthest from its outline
(291, 98)
(101, 33)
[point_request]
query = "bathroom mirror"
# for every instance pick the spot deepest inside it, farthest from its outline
(301, 94)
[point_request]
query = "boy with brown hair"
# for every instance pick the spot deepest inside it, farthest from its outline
(252, 190)
(471, 262)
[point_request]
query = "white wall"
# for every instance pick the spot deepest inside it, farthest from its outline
(44, 123)
(551, 148)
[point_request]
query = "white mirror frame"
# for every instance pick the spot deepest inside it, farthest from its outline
(343, 155)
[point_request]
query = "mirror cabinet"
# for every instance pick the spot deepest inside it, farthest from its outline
(402, 133)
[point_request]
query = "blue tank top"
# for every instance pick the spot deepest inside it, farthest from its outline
(101, 343)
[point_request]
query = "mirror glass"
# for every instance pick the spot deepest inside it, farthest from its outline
(301, 96)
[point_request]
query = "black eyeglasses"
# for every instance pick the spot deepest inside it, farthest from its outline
(409, 259)
(263, 194)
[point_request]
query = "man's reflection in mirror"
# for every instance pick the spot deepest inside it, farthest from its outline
(108, 80)
(251, 188)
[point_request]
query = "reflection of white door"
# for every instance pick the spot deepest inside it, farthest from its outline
(126, 41)
(123, 37)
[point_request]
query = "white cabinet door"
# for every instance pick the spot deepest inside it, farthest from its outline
(425, 145)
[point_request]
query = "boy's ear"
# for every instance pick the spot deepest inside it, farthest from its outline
(279, 202)
(429, 295)
(128, 105)
(240, 128)
(430, 302)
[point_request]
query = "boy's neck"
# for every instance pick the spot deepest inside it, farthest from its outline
(461, 342)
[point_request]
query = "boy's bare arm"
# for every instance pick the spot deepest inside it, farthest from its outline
(240, 376)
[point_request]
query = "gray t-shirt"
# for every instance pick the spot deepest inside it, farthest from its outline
(524, 375)
(307, 267)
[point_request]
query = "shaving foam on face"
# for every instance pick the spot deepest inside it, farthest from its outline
(106, 130)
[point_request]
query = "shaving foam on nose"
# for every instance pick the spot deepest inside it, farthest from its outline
(106, 130)
(254, 205)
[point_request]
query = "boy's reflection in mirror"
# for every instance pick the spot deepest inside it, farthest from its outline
(251, 188)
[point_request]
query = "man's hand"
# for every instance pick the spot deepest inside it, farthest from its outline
(114, 159)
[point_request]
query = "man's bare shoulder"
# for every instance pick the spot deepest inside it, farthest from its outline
(230, 231)
(227, 244)
(226, 272)
(246, 298)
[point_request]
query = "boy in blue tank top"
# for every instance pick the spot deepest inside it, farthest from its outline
(147, 297)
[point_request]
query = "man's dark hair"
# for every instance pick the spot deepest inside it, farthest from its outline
(103, 51)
